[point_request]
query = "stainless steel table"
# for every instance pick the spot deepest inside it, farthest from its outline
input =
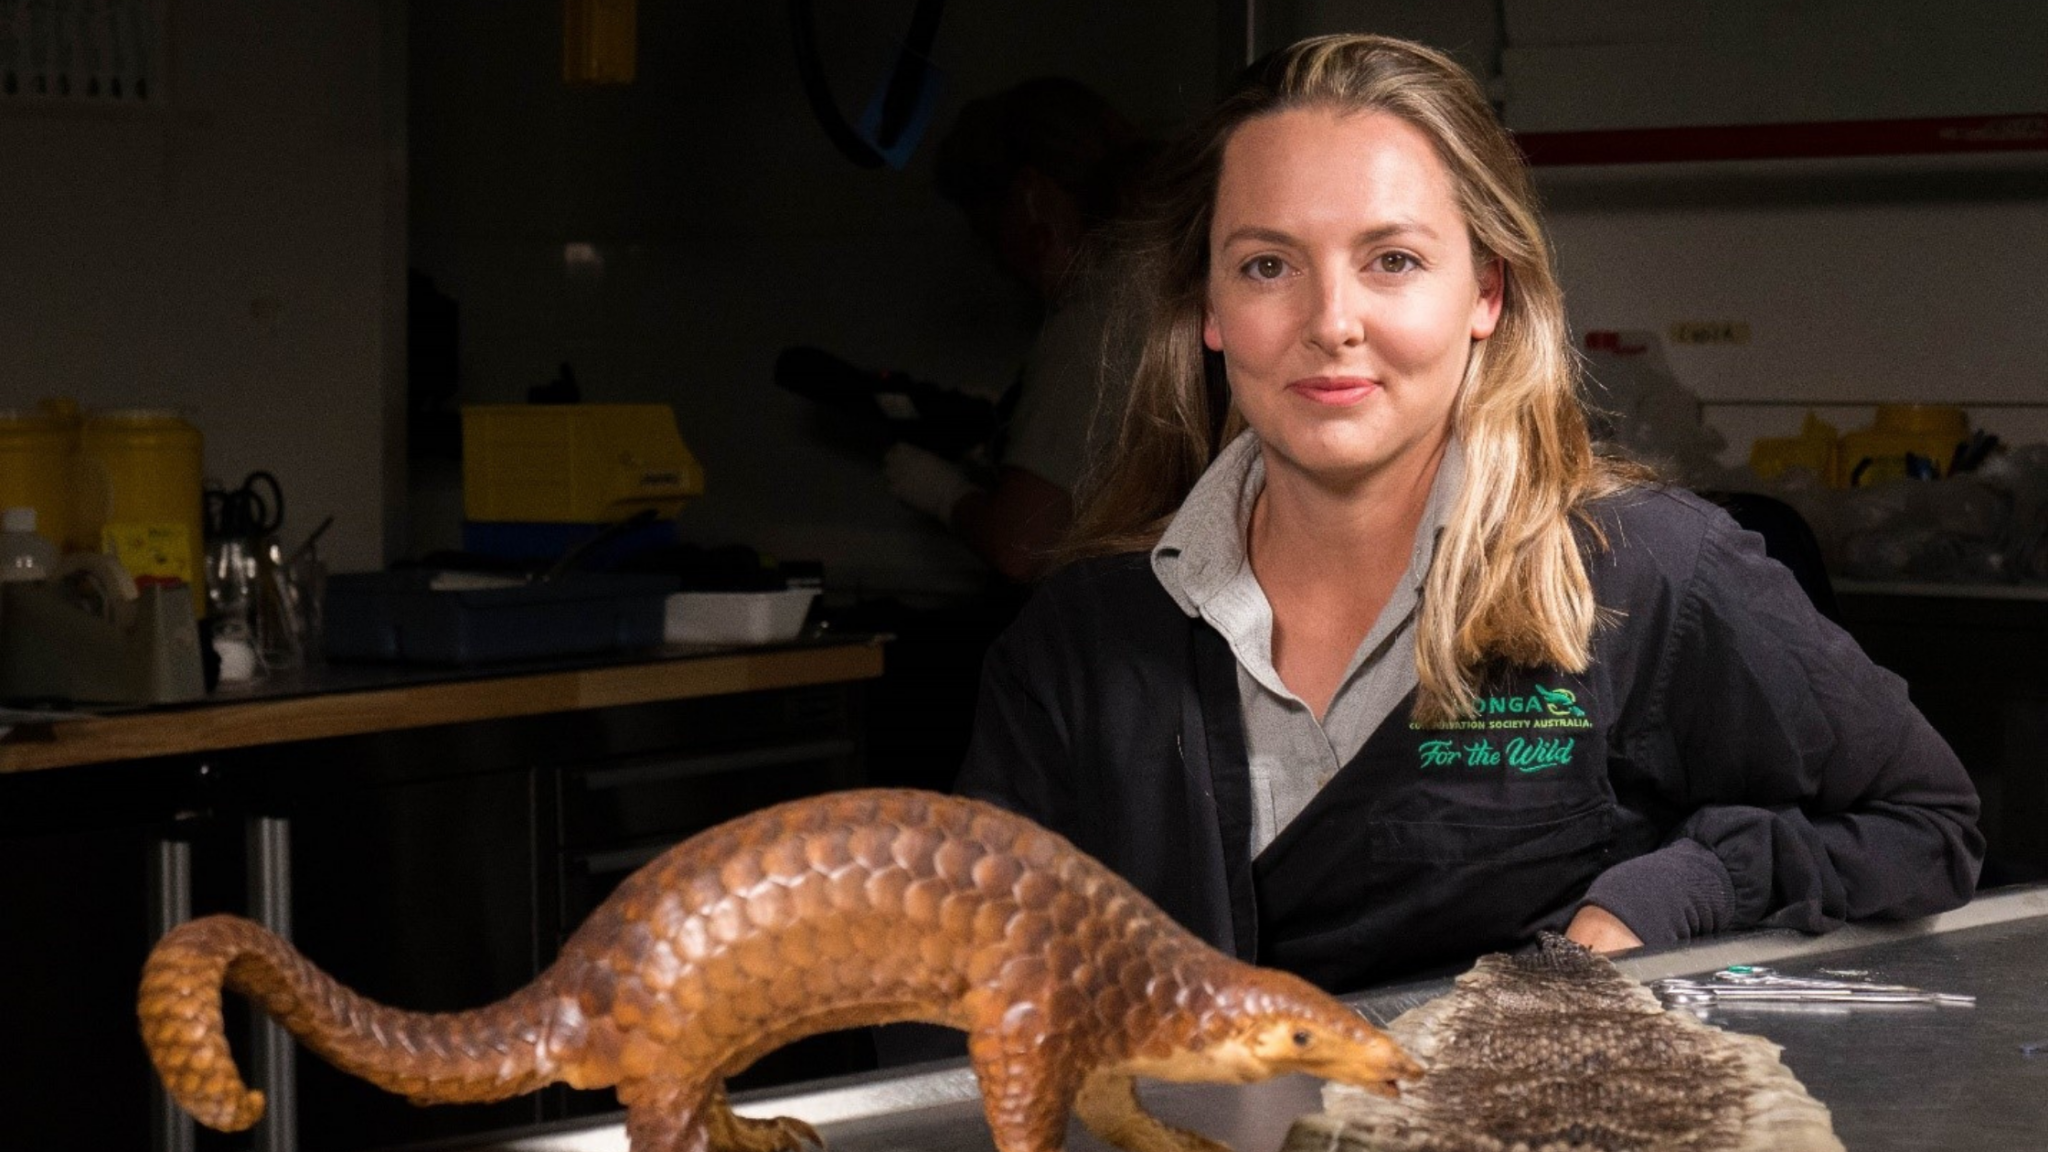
(1897, 1077)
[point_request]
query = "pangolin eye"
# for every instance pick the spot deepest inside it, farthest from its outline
(1302, 1038)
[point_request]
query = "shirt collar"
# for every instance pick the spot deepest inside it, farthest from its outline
(1203, 548)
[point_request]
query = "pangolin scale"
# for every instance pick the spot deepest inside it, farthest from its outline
(836, 911)
(1555, 1050)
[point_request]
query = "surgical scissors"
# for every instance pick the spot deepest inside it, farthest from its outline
(1752, 983)
(245, 512)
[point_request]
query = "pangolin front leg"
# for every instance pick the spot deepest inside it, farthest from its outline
(1026, 1094)
(1109, 1106)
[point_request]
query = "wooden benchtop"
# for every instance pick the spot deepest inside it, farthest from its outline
(341, 703)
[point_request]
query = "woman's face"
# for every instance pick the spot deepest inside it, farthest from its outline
(1342, 292)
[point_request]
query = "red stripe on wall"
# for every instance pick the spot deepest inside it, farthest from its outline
(1789, 141)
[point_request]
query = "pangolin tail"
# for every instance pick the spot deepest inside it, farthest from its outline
(486, 1054)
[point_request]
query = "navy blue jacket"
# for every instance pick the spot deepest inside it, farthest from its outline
(1729, 760)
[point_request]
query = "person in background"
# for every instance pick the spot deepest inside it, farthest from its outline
(1367, 663)
(1038, 168)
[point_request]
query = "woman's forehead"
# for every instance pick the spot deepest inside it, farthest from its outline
(1325, 169)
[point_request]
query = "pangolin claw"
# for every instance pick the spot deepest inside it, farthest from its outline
(781, 1134)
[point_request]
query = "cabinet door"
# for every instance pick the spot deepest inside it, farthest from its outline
(417, 894)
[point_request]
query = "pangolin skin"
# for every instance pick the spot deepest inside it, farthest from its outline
(1555, 1050)
(841, 910)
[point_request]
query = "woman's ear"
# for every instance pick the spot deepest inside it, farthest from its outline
(1492, 290)
(1212, 336)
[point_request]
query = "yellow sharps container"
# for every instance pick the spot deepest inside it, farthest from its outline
(1879, 452)
(142, 493)
(36, 462)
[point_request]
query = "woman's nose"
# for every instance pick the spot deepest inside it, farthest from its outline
(1336, 321)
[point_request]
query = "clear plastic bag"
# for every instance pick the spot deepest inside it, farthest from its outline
(1989, 526)
(1638, 406)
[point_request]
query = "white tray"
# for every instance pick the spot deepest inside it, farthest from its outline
(736, 617)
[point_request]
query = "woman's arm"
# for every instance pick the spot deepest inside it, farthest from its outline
(1818, 793)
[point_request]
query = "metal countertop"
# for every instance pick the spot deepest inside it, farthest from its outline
(1897, 1077)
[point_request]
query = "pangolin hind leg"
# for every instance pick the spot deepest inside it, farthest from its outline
(664, 1116)
(731, 1132)
(1109, 1106)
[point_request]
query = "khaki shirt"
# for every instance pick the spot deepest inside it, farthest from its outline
(1205, 566)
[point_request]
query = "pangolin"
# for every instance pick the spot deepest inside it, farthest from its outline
(840, 910)
(1556, 1051)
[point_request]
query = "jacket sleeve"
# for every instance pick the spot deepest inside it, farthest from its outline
(1815, 792)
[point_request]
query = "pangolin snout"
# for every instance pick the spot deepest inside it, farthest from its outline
(1378, 1064)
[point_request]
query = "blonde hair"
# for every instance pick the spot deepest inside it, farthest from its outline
(1508, 583)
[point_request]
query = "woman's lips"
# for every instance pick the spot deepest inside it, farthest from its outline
(1336, 391)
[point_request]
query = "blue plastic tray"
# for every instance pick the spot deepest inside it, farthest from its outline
(397, 616)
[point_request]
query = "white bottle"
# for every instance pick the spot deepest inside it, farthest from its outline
(24, 555)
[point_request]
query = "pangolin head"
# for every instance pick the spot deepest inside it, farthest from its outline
(1296, 1027)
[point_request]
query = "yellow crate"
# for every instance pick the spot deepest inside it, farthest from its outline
(1814, 449)
(1877, 453)
(574, 463)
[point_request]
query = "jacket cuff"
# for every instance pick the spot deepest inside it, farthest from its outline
(1679, 892)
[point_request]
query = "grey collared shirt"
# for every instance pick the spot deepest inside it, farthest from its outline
(1205, 566)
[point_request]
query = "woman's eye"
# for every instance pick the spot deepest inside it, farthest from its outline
(1265, 267)
(1396, 262)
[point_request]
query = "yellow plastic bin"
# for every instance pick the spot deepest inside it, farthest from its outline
(38, 455)
(142, 494)
(574, 463)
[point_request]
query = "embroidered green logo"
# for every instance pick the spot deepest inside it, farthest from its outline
(1438, 754)
(1543, 752)
(1560, 701)
(1526, 755)
(1539, 707)
(1542, 701)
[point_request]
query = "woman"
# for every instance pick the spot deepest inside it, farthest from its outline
(1374, 665)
